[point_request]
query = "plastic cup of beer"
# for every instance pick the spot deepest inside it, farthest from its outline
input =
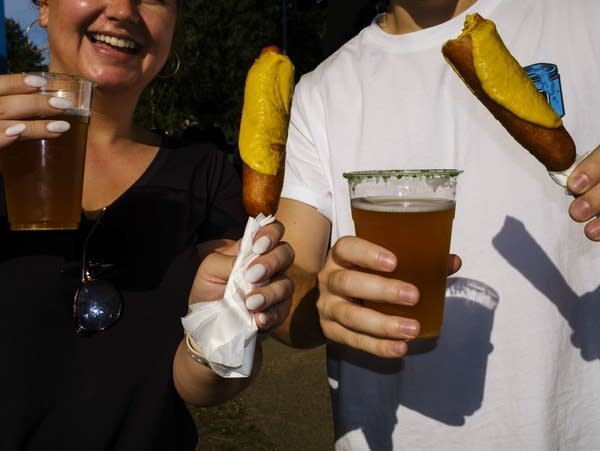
(410, 213)
(43, 179)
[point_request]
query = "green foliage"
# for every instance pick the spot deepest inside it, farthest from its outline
(22, 55)
(217, 43)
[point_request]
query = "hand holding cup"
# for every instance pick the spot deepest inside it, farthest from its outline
(44, 117)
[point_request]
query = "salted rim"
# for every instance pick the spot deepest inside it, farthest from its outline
(403, 173)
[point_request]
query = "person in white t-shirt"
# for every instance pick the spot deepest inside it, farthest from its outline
(517, 365)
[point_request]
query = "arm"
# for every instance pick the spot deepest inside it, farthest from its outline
(197, 383)
(584, 183)
(301, 328)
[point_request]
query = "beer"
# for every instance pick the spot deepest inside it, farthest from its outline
(418, 232)
(43, 179)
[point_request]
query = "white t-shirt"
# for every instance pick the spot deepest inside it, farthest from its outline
(518, 363)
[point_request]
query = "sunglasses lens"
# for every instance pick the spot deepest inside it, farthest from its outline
(97, 305)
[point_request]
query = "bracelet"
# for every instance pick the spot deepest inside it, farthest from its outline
(194, 352)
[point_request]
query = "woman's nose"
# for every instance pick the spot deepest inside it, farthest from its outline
(122, 11)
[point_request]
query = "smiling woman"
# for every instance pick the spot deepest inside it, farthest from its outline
(124, 387)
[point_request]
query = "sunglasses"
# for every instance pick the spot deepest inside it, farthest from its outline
(97, 304)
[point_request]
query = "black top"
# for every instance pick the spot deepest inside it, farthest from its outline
(112, 390)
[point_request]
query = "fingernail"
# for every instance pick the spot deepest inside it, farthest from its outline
(579, 183)
(399, 348)
(387, 260)
(594, 230)
(581, 210)
(35, 81)
(255, 273)
(408, 296)
(261, 245)
(60, 102)
(255, 301)
(410, 329)
(15, 130)
(58, 126)
(262, 319)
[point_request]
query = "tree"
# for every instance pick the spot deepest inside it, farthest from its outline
(217, 43)
(22, 55)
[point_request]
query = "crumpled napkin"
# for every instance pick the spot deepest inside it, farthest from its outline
(562, 176)
(225, 330)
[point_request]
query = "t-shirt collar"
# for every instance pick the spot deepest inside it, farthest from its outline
(428, 37)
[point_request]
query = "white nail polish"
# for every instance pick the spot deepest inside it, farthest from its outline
(35, 81)
(60, 102)
(15, 130)
(58, 126)
(255, 273)
(262, 319)
(261, 245)
(255, 301)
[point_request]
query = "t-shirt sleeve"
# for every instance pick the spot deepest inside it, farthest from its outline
(306, 179)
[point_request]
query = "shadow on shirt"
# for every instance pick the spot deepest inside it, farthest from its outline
(445, 384)
(582, 313)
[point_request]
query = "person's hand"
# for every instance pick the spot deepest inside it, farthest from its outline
(20, 102)
(342, 284)
(584, 183)
(270, 303)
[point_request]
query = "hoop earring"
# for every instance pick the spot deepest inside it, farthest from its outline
(177, 66)
(27, 30)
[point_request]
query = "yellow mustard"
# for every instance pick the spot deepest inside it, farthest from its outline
(265, 115)
(503, 79)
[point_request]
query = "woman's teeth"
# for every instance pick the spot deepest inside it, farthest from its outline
(114, 42)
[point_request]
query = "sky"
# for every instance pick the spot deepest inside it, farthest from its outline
(25, 12)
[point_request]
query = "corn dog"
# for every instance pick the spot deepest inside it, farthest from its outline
(263, 130)
(483, 62)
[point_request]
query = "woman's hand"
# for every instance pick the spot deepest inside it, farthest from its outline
(21, 103)
(584, 183)
(270, 303)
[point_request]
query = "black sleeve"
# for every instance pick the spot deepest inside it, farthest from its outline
(219, 183)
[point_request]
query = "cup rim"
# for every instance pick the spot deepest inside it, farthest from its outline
(403, 173)
(76, 77)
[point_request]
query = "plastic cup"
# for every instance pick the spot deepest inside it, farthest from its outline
(43, 179)
(410, 213)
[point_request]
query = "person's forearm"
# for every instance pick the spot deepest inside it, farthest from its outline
(302, 329)
(199, 385)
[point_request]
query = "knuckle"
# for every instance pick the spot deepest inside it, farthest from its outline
(329, 331)
(3, 108)
(341, 246)
(285, 308)
(280, 226)
(343, 279)
(290, 250)
(272, 317)
(358, 341)
(285, 287)
(348, 313)
(323, 278)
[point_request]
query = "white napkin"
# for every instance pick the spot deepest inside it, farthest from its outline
(562, 176)
(225, 330)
